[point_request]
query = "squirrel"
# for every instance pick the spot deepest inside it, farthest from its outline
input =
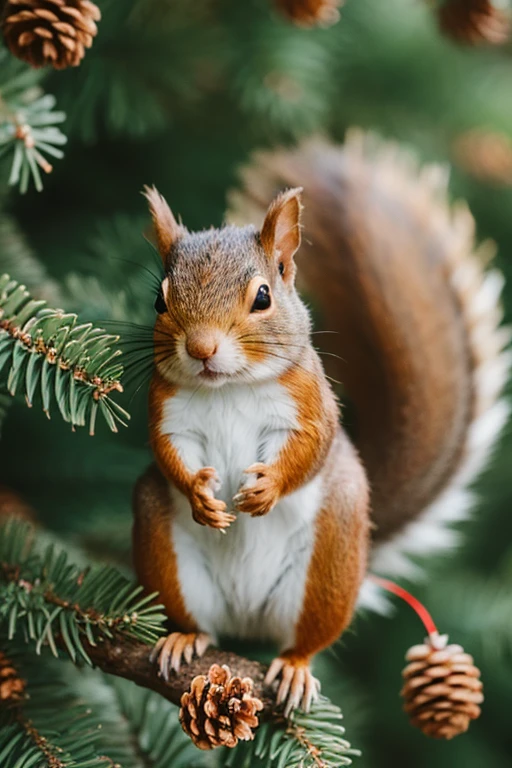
(244, 423)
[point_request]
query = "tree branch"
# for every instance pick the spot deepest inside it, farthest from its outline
(130, 659)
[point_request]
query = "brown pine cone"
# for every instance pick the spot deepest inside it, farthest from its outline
(219, 710)
(12, 687)
(442, 689)
(50, 32)
(475, 21)
(309, 13)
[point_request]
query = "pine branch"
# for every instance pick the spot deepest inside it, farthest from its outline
(47, 350)
(42, 723)
(97, 617)
(313, 740)
(28, 125)
(153, 728)
(50, 601)
(42, 701)
(128, 658)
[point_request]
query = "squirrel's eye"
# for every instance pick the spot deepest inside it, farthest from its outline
(262, 300)
(160, 304)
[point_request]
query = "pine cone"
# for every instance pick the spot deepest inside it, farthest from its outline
(308, 13)
(219, 710)
(50, 32)
(475, 21)
(12, 687)
(442, 689)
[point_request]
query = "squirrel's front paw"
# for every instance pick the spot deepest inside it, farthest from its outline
(261, 495)
(206, 509)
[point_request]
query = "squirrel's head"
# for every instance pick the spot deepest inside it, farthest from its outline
(227, 308)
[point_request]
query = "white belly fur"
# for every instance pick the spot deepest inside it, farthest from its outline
(249, 582)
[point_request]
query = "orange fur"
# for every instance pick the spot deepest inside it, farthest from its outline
(280, 234)
(153, 550)
(397, 278)
(209, 289)
(317, 413)
(338, 562)
(167, 229)
(304, 452)
(166, 456)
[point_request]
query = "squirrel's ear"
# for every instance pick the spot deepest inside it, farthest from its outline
(280, 234)
(167, 229)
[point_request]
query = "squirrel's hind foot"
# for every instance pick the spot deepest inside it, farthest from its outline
(297, 687)
(178, 648)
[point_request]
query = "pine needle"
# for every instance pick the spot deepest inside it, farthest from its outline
(72, 366)
(48, 601)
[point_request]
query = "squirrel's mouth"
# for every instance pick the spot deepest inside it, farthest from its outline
(209, 375)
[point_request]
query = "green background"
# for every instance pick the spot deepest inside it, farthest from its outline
(179, 94)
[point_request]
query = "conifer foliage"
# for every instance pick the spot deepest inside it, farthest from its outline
(49, 605)
(179, 94)
(48, 352)
(29, 131)
(43, 596)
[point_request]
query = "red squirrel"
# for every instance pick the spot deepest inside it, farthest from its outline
(255, 519)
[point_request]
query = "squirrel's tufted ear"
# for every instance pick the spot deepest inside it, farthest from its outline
(167, 229)
(280, 234)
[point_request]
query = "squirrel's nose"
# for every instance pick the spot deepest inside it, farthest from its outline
(201, 345)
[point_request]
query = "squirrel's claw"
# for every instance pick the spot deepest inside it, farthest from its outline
(206, 509)
(297, 687)
(258, 496)
(177, 648)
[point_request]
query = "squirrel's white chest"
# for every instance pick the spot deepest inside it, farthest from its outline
(250, 581)
(229, 428)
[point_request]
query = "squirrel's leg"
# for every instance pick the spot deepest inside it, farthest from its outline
(335, 573)
(156, 568)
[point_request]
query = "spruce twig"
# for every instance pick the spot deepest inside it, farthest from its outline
(49, 350)
(51, 601)
(98, 617)
(29, 123)
(31, 734)
(311, 740)
(151, 727)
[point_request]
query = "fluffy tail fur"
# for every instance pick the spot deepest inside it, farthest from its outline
(394, 271)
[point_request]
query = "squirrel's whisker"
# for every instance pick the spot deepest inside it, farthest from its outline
(157, 278)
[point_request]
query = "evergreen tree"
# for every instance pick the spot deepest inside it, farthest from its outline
(179, 94)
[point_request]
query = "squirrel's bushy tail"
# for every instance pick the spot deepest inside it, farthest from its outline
(392, 268)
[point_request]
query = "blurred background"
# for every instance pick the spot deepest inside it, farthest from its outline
(179, 94)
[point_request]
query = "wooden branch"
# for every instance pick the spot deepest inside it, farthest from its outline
(130, 659)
